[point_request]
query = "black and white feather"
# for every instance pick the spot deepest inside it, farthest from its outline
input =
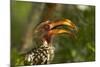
(42, 55)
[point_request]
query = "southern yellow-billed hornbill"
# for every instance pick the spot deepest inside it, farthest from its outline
(44, 33)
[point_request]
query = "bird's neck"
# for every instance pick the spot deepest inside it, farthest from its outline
(46, 44)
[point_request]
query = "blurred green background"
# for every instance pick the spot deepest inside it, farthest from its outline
(26, 15)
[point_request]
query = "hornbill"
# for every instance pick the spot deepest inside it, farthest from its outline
(43, 35)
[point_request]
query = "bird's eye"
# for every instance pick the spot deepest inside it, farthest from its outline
(46, 27)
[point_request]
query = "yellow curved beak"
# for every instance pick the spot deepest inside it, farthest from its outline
(66, 22)
(54, 31)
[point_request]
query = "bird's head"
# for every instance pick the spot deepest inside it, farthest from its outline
(49, 28)
(44, 32)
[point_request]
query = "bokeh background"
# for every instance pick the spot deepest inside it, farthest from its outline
(25, 16)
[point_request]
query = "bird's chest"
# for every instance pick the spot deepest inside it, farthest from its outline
(42, 55)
